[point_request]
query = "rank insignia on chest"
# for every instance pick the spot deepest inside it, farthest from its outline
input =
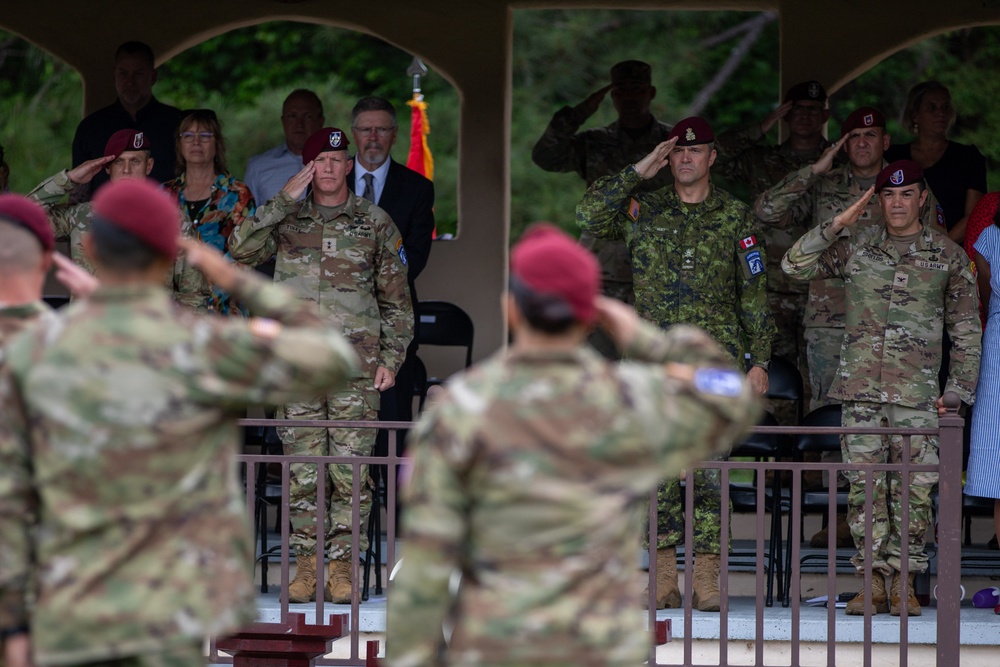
(329, 245)
(748, 242)
(633, 209)
(900, 279)
(754, 263)
(401, 251)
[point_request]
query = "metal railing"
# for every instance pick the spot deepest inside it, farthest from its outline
(785, 508)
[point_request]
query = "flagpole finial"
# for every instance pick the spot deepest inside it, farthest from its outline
(416, 69)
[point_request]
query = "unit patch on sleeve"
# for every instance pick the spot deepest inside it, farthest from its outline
(401, 251)
(748, 242)
(633, 209)
(753, 264)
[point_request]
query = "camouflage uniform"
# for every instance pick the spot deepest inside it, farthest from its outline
(898, 309)
(742, 158)
(121, 510)
(593, 153)
(15, 318)
(71, 221)
(351, 269)
(557, 448)
(691, 266)
(799, 202)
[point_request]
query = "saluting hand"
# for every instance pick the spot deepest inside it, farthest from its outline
(852, 213)
(619, 320)
(770, 119)
(825, 161)
(79, 283)
(650, 166)
(217, 269)
(298, 183)
(593, 101)
(85, 171)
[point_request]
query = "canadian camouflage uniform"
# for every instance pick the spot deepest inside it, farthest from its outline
(71, 221)
(593, 153)
(122, 514)
(799, 202)
(898, 308)
(743, 158)
(557, 448)
(701, 265)
(351, 269)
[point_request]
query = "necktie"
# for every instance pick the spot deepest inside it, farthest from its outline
(369, 192)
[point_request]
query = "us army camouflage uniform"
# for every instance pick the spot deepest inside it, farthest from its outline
(529, 476)
(691, 266)
(593, 153)
(743, 158)
(352, 271)
(71, 221)
(898, 309)
(15, 318)
(121, 510)
(799, 202)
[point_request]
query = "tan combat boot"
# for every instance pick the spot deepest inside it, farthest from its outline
(668, 595)
(338, 582)
(880, 601)
(912, 605)
(705, 589)
(303, 586)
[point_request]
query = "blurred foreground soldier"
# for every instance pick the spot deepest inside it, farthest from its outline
(26, 251)
(125, 539)
(906, 285)
(4, 172)
(602, 151)
(342, 255)
(531, 469)
(698, 260)
(127, 156)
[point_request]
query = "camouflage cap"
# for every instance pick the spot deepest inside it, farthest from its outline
(23, 212)
(126, 140)
(322, 141)
(692, 131)
(861, 118)
(631, 71)
(806, 90)
(143, 209)
(549, 261)
(899, 174)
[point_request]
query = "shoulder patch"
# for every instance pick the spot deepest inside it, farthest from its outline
(748, 242)
(633, 209)
(942, 223)
(264, 327)
(718, 381)
(401, 251)
(752, 264)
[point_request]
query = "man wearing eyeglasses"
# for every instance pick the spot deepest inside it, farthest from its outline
(408, 198)
(136, 107)
(127, 155)
(267, 173)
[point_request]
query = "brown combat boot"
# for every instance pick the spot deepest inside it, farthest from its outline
(912, 605)
(880, 601)
(668, 595)
(705, 588)
(844, 538)
(338, 582)
(303, 586)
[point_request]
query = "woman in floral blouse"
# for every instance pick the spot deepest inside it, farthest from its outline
(209, 196)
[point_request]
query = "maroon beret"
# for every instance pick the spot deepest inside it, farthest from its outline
(863, 117)
(26, 213)
(898, 174)
(806, 90)
(549, 261)
(142, 209)
(692, 131)
(126, 140)
(327, 139)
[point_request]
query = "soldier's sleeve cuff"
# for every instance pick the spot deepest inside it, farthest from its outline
(649, 344)
(963, 393)
(13, 611)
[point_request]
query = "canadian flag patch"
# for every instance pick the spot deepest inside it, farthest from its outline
(748, 242)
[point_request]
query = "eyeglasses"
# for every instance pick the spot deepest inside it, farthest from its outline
(380, 131)
(189, 137)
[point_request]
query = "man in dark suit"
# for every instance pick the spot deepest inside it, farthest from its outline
(408, 198)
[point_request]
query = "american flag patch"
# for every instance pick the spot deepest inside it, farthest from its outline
(748, 242)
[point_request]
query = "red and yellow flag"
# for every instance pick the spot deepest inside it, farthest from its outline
(420, 159)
